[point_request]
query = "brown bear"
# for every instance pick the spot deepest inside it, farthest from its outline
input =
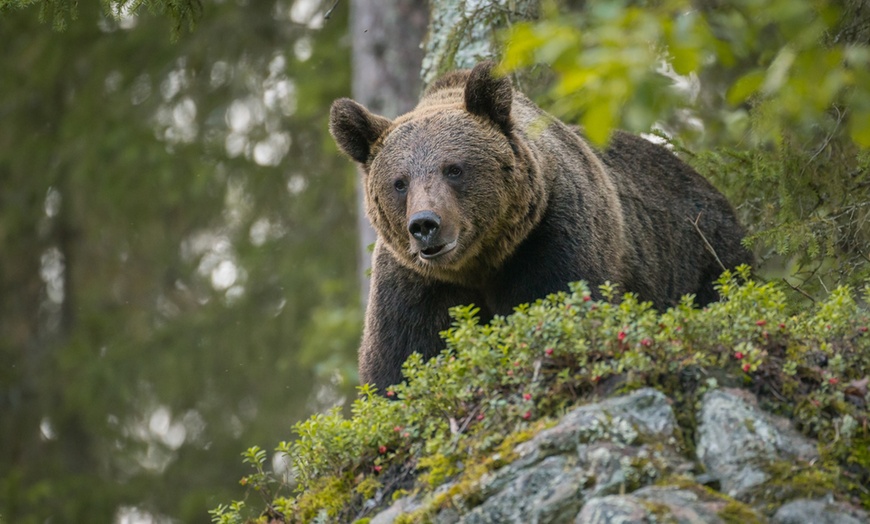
(480, 197)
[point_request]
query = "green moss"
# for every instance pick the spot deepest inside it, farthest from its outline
(660, 512)
(329, 495)
(736, 512)
(438, 468)
(368, 487)
(789, 480)
(399, 493)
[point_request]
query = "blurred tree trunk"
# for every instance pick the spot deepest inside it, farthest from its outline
(386, 37)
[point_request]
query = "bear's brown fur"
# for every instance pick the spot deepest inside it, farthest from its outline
(478, 196)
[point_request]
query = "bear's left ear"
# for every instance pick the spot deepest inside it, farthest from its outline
(489, 96)
(355, 128)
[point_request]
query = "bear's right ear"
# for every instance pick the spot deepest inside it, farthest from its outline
(489, 96)
(355, 129)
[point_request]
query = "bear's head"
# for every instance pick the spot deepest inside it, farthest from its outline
(452, 187)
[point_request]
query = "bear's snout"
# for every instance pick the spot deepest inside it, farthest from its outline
(424, 227)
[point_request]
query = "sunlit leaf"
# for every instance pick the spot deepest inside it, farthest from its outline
(745, 86)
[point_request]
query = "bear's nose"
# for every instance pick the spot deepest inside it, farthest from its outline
(424, 225)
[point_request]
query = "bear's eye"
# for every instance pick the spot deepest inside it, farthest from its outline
(453, 171)
(400, 185)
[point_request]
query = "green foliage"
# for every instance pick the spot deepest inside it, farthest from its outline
(615, 62)
(59, 13)
(461, 413)
(769, 99)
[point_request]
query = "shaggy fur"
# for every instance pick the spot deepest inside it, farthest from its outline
(478, 196)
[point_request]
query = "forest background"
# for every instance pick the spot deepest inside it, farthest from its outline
(180, 261)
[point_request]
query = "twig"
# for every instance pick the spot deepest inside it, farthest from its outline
(459, 430)
(799, 290)
(706, 243)
(825, 142)
(331, 9)
(822, 282)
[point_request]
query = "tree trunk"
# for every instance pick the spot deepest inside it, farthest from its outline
(386, 37)
(464, 32)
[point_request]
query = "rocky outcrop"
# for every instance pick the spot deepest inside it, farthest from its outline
(623, 460)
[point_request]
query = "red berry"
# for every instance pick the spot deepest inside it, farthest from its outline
(646, 342)
(480, 416)
(833, 380)
(548, 351)
(862, 329)
(760, 322)
(390, 393)
(527, 396)
(397, 429)
(510, 372)
(382, 449)
(516, 363)
(746, 367)
(781, 325)
(596, 378)
(621, 336)
(378, 468)
(527, 415)
(406, 435)
(586, 298)
(738, 355)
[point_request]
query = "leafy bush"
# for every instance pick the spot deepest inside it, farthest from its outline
(460, 414)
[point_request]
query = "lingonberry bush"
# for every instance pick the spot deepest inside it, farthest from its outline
(460, 414)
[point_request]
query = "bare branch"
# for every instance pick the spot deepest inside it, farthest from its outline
(706, 242)
(799, 290)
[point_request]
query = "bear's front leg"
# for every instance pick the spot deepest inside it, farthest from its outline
(406, 313)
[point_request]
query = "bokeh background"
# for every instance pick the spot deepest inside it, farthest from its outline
(178, 253)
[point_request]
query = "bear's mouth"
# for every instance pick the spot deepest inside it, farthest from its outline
(433, 252)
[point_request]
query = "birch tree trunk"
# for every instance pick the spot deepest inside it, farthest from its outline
(464, 32)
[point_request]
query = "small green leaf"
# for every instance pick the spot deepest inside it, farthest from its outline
(745, 86)
(598, 122)
(859, 128)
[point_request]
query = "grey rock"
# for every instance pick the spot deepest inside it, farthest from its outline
(599, 463)
(548, 492)
(645, 414)
(684, 506)
(614, 509)
(655, 504)
(737, 439)
(403, 505)
(802, 511)
(595, 450)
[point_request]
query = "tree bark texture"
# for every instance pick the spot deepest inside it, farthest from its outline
(464, 32)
